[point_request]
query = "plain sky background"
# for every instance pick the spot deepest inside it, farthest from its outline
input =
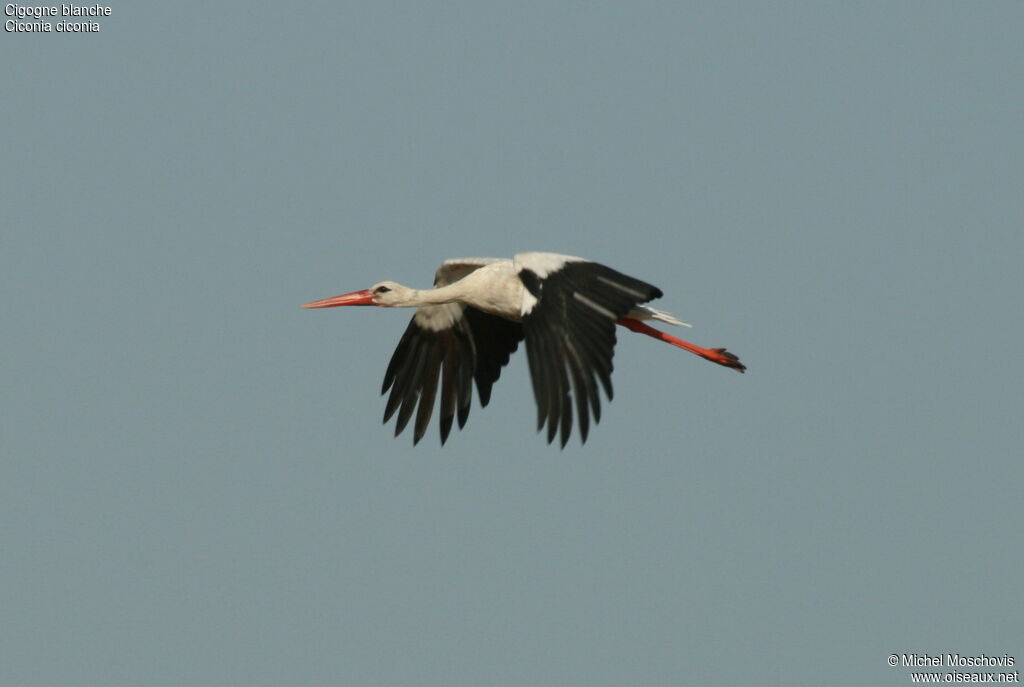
(195, 487)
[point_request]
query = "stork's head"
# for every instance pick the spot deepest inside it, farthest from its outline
(387, 294)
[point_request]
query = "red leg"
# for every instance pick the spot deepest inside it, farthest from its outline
(715, 355)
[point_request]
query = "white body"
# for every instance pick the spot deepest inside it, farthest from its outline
(491, 285)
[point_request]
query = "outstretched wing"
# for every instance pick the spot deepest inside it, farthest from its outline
(451, 345)
(569, 320)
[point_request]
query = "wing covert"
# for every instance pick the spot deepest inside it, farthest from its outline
(454, 269)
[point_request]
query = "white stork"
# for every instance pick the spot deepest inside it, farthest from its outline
(478, 311)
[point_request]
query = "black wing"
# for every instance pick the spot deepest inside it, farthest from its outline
(570, 339)
(456, 345)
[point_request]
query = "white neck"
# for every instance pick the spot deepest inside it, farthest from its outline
(453, 293)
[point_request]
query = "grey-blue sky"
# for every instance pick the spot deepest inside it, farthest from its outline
(195, 487)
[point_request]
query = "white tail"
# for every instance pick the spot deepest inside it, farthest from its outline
(646, 312)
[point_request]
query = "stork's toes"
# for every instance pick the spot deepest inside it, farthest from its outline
(724, 357)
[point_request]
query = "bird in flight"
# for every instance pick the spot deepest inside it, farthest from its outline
(479, 309)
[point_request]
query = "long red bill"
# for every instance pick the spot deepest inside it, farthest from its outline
(363, 297)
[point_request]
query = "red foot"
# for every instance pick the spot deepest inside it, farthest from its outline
(715, 355)
(724, 357)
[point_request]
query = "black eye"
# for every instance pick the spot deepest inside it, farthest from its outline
(381, 289)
